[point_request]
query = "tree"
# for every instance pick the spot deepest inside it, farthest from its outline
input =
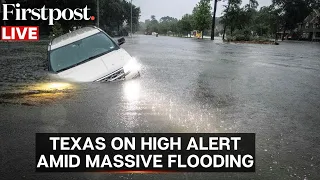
(152, 26)
(153, 18)
(224, 19)
(266, 21)
(232, 15)
(250, 11)
(314, 4)
(135, 17)
(185, 24)
(56, 30)
(113, 13)
(135, 14)
(292, 12)
(202, 15)
(253, 4)
(248, 21)
(112, 17)
(167, 24)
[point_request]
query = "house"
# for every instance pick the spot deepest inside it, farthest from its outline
(310, 27)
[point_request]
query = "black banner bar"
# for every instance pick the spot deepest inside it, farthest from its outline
(145, 152)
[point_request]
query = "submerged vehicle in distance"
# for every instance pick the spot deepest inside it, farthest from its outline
(90, 55)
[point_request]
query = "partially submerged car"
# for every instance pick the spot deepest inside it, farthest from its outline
(90, 55)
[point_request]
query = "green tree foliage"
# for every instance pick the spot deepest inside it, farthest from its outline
(185, 24)
(250, 11)
(113, 13)
(282, 14)
(265, 22)
(202, 15)
(233, 16)
(168, 24)
(135, 14)
(56, 30)
(293, 12)
(152, 25)
(253, 4)
(315, 4)
(200, 20)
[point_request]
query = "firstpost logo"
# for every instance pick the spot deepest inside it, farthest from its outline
(27, 33)
(45, 14)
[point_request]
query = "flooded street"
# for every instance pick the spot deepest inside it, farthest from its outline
(186, 85)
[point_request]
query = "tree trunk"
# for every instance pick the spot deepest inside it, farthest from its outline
(224, 32)
(276, 34)
(283, 33)
(225, 26)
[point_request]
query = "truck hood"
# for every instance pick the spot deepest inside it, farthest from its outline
(97, 68)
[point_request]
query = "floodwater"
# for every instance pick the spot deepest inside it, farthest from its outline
(187, 85)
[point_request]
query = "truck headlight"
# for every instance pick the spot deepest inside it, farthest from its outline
(131, 66)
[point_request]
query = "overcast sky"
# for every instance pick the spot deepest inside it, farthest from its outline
(177, 8)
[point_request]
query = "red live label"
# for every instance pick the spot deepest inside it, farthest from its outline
(20, 33)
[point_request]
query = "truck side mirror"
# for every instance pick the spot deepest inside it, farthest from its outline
(121, 41)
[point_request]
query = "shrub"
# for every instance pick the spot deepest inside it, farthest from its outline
(56, 30)
(261, 39)
(241, 35)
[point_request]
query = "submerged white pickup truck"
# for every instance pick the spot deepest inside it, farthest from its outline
(90, 55)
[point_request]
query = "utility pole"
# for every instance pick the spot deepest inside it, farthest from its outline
(214, 19)
(131, 19)
(98, 14)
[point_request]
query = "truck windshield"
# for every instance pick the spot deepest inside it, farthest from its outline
(81, 51)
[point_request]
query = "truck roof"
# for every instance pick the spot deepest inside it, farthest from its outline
(73, 37)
